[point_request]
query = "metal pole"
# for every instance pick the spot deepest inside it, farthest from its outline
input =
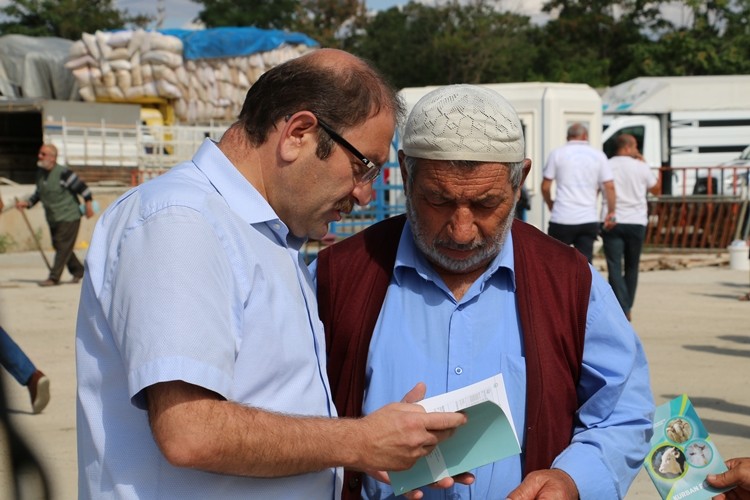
(33, 236)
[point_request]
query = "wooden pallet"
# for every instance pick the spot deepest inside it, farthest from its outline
(695, 222)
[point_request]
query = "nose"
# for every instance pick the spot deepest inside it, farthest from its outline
(363, 193)
(462, 227)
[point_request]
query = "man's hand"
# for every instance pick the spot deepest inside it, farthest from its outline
(414, 395)
(398, 434)
(89, 209)
(549, 484)
(445, 483)
(610, 221)
(21, 204)
(738, 475)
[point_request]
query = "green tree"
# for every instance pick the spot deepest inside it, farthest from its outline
(332, 23)
(276, 14)
(595, 41)
(65, 18)
(455, 42)
(714, 40)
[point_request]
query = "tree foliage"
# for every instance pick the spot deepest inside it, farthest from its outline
(599, 42)
(451, 43)
(65, 18)
(276, 14)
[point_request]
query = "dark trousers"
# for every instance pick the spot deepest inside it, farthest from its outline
(622, 245)
(581, 236)
(64, 236)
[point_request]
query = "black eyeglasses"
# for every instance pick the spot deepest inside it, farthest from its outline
(362, 175)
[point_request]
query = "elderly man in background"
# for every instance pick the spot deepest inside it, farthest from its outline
(457, 291)
(58, 188)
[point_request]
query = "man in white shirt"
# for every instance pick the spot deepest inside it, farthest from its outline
(580, 172)
(623, 243)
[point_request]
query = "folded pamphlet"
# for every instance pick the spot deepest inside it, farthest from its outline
(682, 453)
(488, 436)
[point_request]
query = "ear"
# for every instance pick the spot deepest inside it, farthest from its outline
(524, 174)
(297, 131)
(526, 170)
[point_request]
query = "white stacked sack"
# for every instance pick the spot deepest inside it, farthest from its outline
(129, 65)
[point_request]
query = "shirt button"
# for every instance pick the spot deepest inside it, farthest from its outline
(459, 370)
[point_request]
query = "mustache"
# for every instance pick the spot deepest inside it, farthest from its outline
(346, 206)
(462, 247)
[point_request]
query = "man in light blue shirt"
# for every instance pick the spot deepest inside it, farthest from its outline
(463, 303)
(200, 357)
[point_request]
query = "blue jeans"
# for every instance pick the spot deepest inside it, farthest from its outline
(623, 244)
(14, 359)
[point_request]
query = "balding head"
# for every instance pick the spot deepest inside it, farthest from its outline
(341, 89)
(578, 132)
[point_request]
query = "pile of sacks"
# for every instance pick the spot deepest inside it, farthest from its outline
(128, 65)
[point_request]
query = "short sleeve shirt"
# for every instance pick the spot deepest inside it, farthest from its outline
(579, 171)
(193, 277)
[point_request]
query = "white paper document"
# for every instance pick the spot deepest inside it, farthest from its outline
(488, 436)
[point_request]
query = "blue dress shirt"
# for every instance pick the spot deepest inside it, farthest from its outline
(424, 334)
(193, 277)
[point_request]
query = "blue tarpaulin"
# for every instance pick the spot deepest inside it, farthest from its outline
(232, 42)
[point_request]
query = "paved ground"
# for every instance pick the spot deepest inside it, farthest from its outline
(695, 331)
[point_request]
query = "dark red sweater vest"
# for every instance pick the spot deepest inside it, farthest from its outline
(553, 283)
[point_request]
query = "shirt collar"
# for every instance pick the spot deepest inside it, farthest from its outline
(408, 256)
(239, 194)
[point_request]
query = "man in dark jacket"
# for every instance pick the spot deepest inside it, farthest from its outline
(58, 189)
(457, 292)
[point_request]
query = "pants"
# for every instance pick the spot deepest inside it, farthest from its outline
(14, 359)
(581, 236)
(623, 243)
(64, 236)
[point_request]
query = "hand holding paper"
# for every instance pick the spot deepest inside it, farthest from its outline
(406, 433)
(488, 436)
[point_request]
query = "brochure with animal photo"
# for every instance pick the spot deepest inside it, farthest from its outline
(682, 453)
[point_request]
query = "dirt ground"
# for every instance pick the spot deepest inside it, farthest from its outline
(695, 332)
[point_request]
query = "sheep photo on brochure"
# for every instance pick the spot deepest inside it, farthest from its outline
(682, 453)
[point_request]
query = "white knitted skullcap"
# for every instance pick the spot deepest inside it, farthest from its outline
(464, 122)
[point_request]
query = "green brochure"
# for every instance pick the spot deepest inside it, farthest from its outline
(488, 436)
(682, 453)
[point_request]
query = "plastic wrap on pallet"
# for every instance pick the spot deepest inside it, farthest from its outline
(209, 85)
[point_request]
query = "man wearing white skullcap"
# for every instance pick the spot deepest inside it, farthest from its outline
(456, 291)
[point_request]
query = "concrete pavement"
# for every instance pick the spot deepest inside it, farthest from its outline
(695, 332)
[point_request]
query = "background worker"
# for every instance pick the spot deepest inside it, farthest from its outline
(199, 353)
(623, 243)
(579, 172)
(459, 291)
(58, 188)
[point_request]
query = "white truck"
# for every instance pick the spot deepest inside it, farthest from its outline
(93, 134)
(546, 111)
(689, 125)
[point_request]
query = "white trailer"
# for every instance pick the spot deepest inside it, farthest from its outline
(686, 123)
(546, 111)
